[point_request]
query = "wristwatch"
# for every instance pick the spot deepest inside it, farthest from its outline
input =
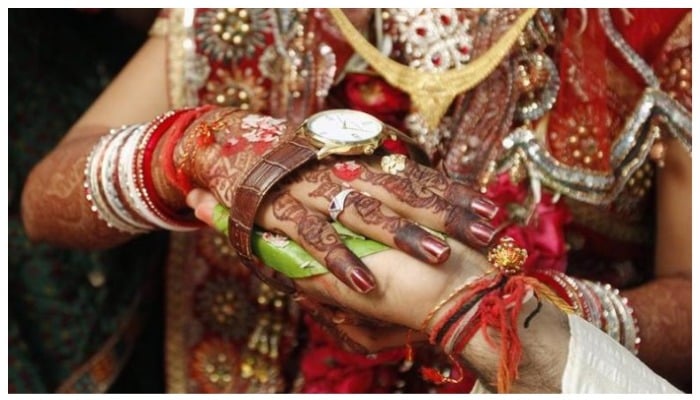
(343, 132)
(330, 132)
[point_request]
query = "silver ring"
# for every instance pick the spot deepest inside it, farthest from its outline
(337, 204)
(393, 163)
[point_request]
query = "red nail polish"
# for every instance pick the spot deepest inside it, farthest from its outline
(363, 280)
(484, 207)
(437, 248)
(482, 232)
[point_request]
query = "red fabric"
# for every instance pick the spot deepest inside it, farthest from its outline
(371, 94)
(328, 368)
(648, 30)
(587, 97)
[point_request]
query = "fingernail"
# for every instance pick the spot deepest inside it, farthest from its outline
(482, 232)
(437, 248)
(363, 281)
(484, 207)
(416, 241)
(345, 265)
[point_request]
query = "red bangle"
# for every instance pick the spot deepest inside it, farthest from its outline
(143, 172)
(175, 176)
(558, 289)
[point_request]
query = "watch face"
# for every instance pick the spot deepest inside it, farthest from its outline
(344, 126)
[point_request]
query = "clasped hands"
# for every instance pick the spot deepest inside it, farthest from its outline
(385, 198)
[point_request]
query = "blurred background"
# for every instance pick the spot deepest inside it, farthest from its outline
(64, 304)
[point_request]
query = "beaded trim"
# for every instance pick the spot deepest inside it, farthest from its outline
(628, 152)
(626, 50)
(186, 72)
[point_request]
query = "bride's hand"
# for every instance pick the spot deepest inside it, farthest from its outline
(382, 198)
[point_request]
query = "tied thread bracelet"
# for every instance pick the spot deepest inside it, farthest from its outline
(491, 302)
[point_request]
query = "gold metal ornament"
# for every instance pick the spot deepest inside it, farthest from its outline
(393, 163)
(432, 92)
(507, 257)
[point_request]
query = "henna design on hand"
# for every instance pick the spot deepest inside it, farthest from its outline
(456, 193)
(370, 211)
(314, 232)
(459, 222)
(325, 190)
(410, 192)
(312, 228)
(208, 155)
(428, 177)
(407, 236)
(385, 226)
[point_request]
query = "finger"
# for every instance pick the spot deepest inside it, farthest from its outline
(335, 312)
(203, 203)
(326, 319)
(414, 201)
(374, 339)
(369, 217)
(361, 210)
(311, 230)
(356, 332)
(455, 192)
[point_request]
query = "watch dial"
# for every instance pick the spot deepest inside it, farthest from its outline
(344, 126)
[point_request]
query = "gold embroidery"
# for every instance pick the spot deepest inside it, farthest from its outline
(176, 64)
(187, 70)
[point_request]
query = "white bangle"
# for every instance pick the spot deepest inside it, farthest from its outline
(98, 189)
(111, 185)
(127, 177)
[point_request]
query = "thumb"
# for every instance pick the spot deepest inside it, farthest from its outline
(203, 203)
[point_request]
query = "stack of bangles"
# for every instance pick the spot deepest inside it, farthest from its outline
(494, 301)
(118, 180)
(598, 303)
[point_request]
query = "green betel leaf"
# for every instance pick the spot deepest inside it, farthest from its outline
(286, 256)
(282, 254)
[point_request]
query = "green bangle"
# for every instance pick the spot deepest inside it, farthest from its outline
(286, 256)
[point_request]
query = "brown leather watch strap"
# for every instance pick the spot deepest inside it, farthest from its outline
(273, 166)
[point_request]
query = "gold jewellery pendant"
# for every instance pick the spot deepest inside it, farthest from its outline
(432, 92)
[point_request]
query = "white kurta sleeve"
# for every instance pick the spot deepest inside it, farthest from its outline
(598, 364)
